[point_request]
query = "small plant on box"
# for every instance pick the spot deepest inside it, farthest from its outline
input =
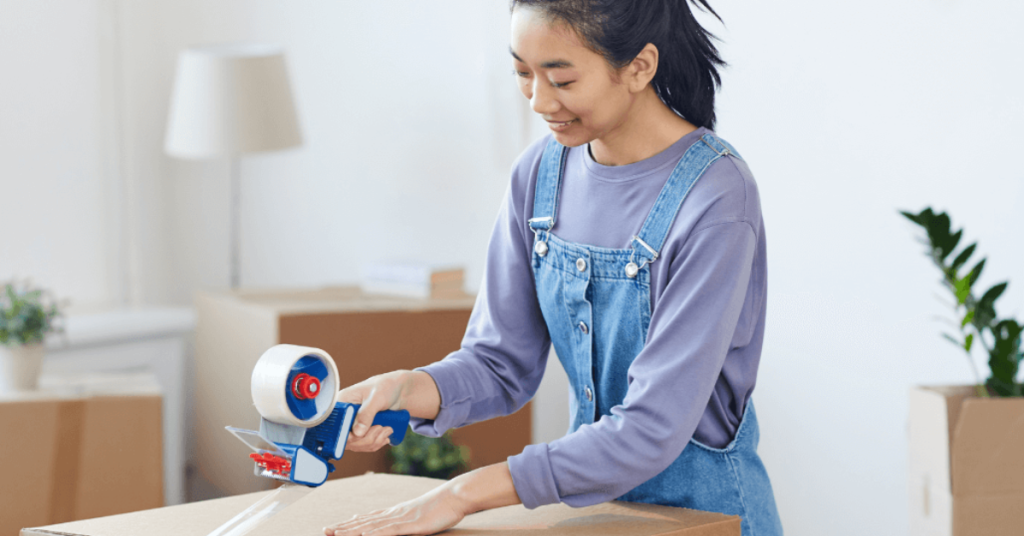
(978, 322)
(27, 315)
(431, 457)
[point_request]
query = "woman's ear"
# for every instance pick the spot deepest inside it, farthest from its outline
(643, 67)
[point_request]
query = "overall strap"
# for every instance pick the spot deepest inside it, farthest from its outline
(695, 161)
(549, 177)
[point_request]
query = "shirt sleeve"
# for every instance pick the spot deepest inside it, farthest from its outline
(670, 381)
(501, 361)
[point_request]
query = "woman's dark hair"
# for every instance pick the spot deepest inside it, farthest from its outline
(688, 61)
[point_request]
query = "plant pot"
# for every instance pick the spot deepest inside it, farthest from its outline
(20, 367)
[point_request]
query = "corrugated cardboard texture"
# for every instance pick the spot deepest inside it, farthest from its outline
(966, 467)
(67, 459)
(340, 499)
(28, 434)
(988, 449)
(365, 334)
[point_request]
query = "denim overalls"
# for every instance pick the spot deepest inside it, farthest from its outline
(596, 303)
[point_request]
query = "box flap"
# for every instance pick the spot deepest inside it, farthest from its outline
(988, 447)
(929, 501)
(341, 499)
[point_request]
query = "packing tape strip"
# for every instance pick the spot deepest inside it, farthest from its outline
(251, 518)
(270, 384)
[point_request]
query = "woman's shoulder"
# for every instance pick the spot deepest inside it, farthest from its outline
(726, 192)
(525, 167)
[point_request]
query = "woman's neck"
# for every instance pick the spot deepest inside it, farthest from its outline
(650, 128)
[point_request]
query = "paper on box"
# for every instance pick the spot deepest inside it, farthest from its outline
(338, 500)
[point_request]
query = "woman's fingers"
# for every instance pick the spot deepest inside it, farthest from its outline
(366, 523)
(430, 513)
(377, 437)
(395, 529)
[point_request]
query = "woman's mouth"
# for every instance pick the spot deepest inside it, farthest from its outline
(560, 125)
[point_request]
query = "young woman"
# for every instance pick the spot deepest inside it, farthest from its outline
(631, 239)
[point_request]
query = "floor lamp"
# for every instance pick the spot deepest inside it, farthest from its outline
(230, 100)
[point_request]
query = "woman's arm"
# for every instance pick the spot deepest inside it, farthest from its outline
(505, 349)
(440, 509)
(504, 352)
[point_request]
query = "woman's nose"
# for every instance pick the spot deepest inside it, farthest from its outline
(542, 100)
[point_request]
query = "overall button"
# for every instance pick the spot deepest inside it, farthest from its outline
(583, 328)
(632, 269)
(590, 394)
(541, 248)
(581, 264)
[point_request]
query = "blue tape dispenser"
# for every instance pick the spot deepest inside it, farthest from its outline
(302, 427)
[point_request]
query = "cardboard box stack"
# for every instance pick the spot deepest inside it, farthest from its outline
(966, 466)
(339, 500)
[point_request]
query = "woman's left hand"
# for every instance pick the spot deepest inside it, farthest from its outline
(436, 510)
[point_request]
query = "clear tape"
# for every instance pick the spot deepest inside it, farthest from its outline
(270, 384)
(250, 518)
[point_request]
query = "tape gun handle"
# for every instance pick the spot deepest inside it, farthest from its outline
(397, 420)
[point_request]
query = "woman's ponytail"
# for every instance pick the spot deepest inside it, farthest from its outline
(687, 76)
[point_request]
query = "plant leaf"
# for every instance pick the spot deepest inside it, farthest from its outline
(968, 342)
(912, 217)
(938, 232)
(992, 294)
(967, 319)
(976, 271)
(961, 259)
(962, 289)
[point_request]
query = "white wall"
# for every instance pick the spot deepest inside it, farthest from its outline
(55, 202)
(410, 130)
(845, 113)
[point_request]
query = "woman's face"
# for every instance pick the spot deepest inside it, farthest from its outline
(570, 86)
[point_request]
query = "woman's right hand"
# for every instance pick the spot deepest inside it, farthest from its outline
(414, 391)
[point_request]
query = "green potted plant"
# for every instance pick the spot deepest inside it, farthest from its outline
(977, 320)
(965, 441)
(428, 456)
(27, 315)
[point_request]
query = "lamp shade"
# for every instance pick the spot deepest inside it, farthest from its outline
(231, 99)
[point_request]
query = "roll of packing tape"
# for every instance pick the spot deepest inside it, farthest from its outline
(282, 388)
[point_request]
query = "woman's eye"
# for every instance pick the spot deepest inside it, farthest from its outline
(520, 74)
(560, 85)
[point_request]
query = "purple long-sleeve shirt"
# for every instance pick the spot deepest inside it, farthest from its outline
(699, 364)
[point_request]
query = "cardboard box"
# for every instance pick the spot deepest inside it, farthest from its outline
(966, 467)
(341, 499)
(365, 334)
(82, 450)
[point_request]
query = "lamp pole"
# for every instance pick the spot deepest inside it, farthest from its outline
(236, 222)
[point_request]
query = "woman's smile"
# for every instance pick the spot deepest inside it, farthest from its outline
(560, 125)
